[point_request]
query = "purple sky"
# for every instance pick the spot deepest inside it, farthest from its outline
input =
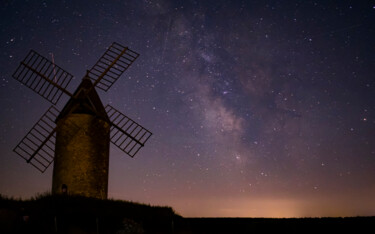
(258, 108)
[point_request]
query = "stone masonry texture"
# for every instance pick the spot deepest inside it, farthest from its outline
(82, 156)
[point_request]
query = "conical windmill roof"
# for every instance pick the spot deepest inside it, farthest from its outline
(85, 103)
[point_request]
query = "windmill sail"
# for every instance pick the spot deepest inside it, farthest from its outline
(111, 65)
(42, 76)
(38, 146)
(50, 81)
(126, 134)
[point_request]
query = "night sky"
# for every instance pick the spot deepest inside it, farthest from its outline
(257, 108)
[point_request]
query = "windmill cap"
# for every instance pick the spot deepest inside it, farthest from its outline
(85, 100)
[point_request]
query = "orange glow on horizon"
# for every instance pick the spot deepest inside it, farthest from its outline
(268, 208)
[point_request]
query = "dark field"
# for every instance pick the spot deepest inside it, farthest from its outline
(70, 214)
(267, 225)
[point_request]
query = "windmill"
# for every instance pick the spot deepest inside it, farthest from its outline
(77, 138)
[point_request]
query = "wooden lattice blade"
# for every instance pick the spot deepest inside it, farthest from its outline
(111, 65)
(42, 76)
(126, 134)
(38, 146)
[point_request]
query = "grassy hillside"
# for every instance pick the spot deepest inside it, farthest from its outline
(75, 214)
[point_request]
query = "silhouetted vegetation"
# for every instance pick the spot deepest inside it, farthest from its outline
(75, 214)
(68, 214)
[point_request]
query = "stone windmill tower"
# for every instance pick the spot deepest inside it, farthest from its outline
(77, 139)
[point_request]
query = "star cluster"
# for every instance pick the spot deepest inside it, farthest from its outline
(258, 109)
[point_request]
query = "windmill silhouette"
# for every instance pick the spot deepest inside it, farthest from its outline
(77, 138)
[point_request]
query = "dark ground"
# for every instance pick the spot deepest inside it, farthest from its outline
(266, 225)
(69, 214)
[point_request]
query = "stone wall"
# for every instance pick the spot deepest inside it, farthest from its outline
(81, 156)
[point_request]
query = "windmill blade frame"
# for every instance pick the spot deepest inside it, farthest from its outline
(38, 146)
(125, 133)
(113, 63)
(50, 81)
(42, 76)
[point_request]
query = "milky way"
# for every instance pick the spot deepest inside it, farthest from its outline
(258, 109)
